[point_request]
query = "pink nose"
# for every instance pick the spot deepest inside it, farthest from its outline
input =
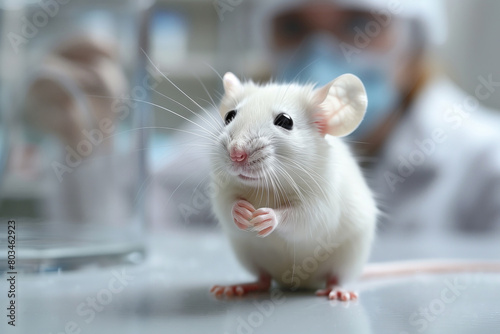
(238, 155)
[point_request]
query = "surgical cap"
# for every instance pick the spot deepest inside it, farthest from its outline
(429, 13)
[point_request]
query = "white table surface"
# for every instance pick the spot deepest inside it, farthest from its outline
(168, 293)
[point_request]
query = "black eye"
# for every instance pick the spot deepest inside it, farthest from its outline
(229, 117)
(284, 120)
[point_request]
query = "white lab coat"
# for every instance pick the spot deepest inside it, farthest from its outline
(447, 149)
(456, 187)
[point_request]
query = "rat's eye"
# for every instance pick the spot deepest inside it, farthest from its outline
(284, 120)
(229, 117)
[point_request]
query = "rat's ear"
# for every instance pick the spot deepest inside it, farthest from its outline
(232, 84)
(342, 105)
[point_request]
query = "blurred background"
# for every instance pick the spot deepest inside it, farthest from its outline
(196, 33)
(101, 163)
(444, 50)
(90, 87)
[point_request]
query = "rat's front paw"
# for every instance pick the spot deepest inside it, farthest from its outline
(242, 213)
(264, 221)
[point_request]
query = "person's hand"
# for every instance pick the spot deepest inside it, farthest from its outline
(75, 88)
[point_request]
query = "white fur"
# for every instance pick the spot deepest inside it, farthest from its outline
(314, 180)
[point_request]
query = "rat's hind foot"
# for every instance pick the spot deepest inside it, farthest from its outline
(263, 284)
(337, 293)
(334, 291)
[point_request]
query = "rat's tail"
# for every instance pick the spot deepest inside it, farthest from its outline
(409, 268)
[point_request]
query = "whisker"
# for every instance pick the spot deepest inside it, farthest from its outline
(214, 70)
(208, 94)
(308, 173)
(170, 81)
(160, 107)
(191, 111)
(162, 128)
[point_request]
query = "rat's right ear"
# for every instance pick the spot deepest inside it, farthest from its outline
(232, 84)
(342, 105)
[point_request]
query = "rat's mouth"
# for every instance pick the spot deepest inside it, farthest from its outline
(250, 170)
(248, 178)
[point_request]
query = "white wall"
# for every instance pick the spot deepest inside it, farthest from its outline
(473, 46)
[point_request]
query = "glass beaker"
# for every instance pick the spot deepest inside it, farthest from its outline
(76, 141)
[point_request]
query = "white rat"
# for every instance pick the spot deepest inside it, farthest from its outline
(290, 195)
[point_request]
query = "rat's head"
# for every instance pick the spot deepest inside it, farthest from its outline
(274, 134)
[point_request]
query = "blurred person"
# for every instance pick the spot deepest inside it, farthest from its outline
(430, 150)
(63, 95)
(436, 160)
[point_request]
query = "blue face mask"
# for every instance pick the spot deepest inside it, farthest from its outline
(320, 60)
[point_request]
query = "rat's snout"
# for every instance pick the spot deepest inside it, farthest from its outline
(238, 155)
(247, 156)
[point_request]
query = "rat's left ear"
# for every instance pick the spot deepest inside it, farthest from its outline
(342, 105)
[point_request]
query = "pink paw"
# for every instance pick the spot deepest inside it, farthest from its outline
(228, 291)
(242, 213)
(263, 284)
(246, 217)
(264, 221)
(337, 293)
